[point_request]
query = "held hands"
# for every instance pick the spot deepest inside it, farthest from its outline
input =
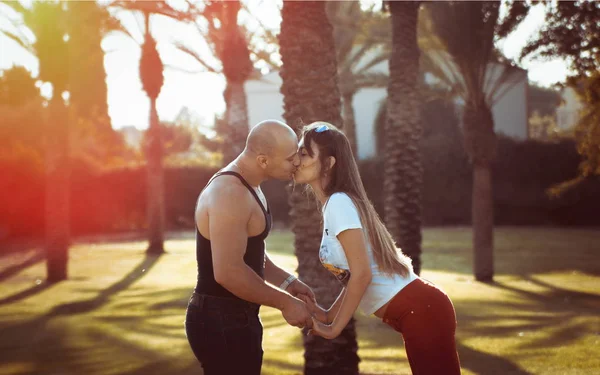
(295, 312)
(316, 311)
(321, 323)
(300, 290)
(302, 310)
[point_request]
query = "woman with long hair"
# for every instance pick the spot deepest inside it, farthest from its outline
(358, 249)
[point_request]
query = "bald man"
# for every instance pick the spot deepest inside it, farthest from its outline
(235, 274)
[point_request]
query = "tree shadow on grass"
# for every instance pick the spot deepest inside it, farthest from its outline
(14, 269)
(134, 275)
(562, 310)
(548, 317)
(518, 251)
(379, 336)
(41, 349)
(80, 345)
(26, 293)
(485, 363)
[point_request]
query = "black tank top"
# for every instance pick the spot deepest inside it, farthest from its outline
(254, 256)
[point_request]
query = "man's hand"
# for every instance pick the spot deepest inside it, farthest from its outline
(294, 312)
(298, 289)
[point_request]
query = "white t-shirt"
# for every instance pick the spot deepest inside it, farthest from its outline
(340, 214)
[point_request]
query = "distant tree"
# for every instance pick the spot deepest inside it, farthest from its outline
(311, 93)
(229, 44)
(403, 171)
(48, 22)
(362, 41)
(151, 71)
(86, 23)
(17, 87)
(461, 55)
(21, 107)
(542, 100)
(21, 149)
(571, 30)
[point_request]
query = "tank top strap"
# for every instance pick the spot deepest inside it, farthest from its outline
(248, 186)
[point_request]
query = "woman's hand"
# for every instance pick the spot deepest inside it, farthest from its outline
(326, 331)
(315, 310)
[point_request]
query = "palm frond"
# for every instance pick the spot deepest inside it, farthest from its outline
(466, 31)
(153, 7)
(116, 27)
(17, 25)
(180, 69)
(15, 6)
(382, 55)
(195, 55)
(442, 67)
(356, 57)
(517, 12)
(366, 80)
(508, 78)
(20, 40)
(262, 55)
(345, 29)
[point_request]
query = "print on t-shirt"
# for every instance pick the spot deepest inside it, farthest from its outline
(342, 274)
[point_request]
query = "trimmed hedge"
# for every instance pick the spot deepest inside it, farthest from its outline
(115, 201)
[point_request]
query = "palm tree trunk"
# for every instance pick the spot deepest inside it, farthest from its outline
(350, 122)
(310, 90)
(156, 196)
(236, 118)
(402, 166)
(480, 143)
(483, 223)
(57, 191)
(237, 68)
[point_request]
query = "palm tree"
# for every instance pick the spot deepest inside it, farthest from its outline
(402, 165)
(47, 21)
(362, 41)
(228, 43)
(465, 63)
(310, 90)
(151, 75)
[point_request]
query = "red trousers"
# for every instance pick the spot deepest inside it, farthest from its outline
(425, 317)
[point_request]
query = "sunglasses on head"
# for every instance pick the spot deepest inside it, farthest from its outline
(321, 129)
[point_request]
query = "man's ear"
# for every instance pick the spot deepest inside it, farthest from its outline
(263, 161)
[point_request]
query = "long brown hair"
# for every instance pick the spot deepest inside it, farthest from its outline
(344, 177)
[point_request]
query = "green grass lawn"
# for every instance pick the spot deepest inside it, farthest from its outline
(122, 312)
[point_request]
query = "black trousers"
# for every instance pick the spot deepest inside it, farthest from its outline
(225, 335)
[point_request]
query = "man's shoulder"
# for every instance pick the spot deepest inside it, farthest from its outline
(226, 190)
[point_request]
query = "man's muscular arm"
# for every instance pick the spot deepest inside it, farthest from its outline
(229, 213)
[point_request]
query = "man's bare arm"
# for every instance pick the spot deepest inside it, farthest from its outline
(228, 216)
(281, 278)
(273, 273)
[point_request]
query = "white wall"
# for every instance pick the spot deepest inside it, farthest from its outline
(508, 101)
(509, 105)
(265, 102)
(567, 114)
(366, 105)
(509, 111)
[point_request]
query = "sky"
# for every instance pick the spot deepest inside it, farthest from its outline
(202, 92)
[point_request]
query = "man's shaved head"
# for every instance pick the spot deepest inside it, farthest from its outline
(269, 136)
(271, 150)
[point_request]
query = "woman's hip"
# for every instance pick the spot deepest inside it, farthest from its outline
(423, 301)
